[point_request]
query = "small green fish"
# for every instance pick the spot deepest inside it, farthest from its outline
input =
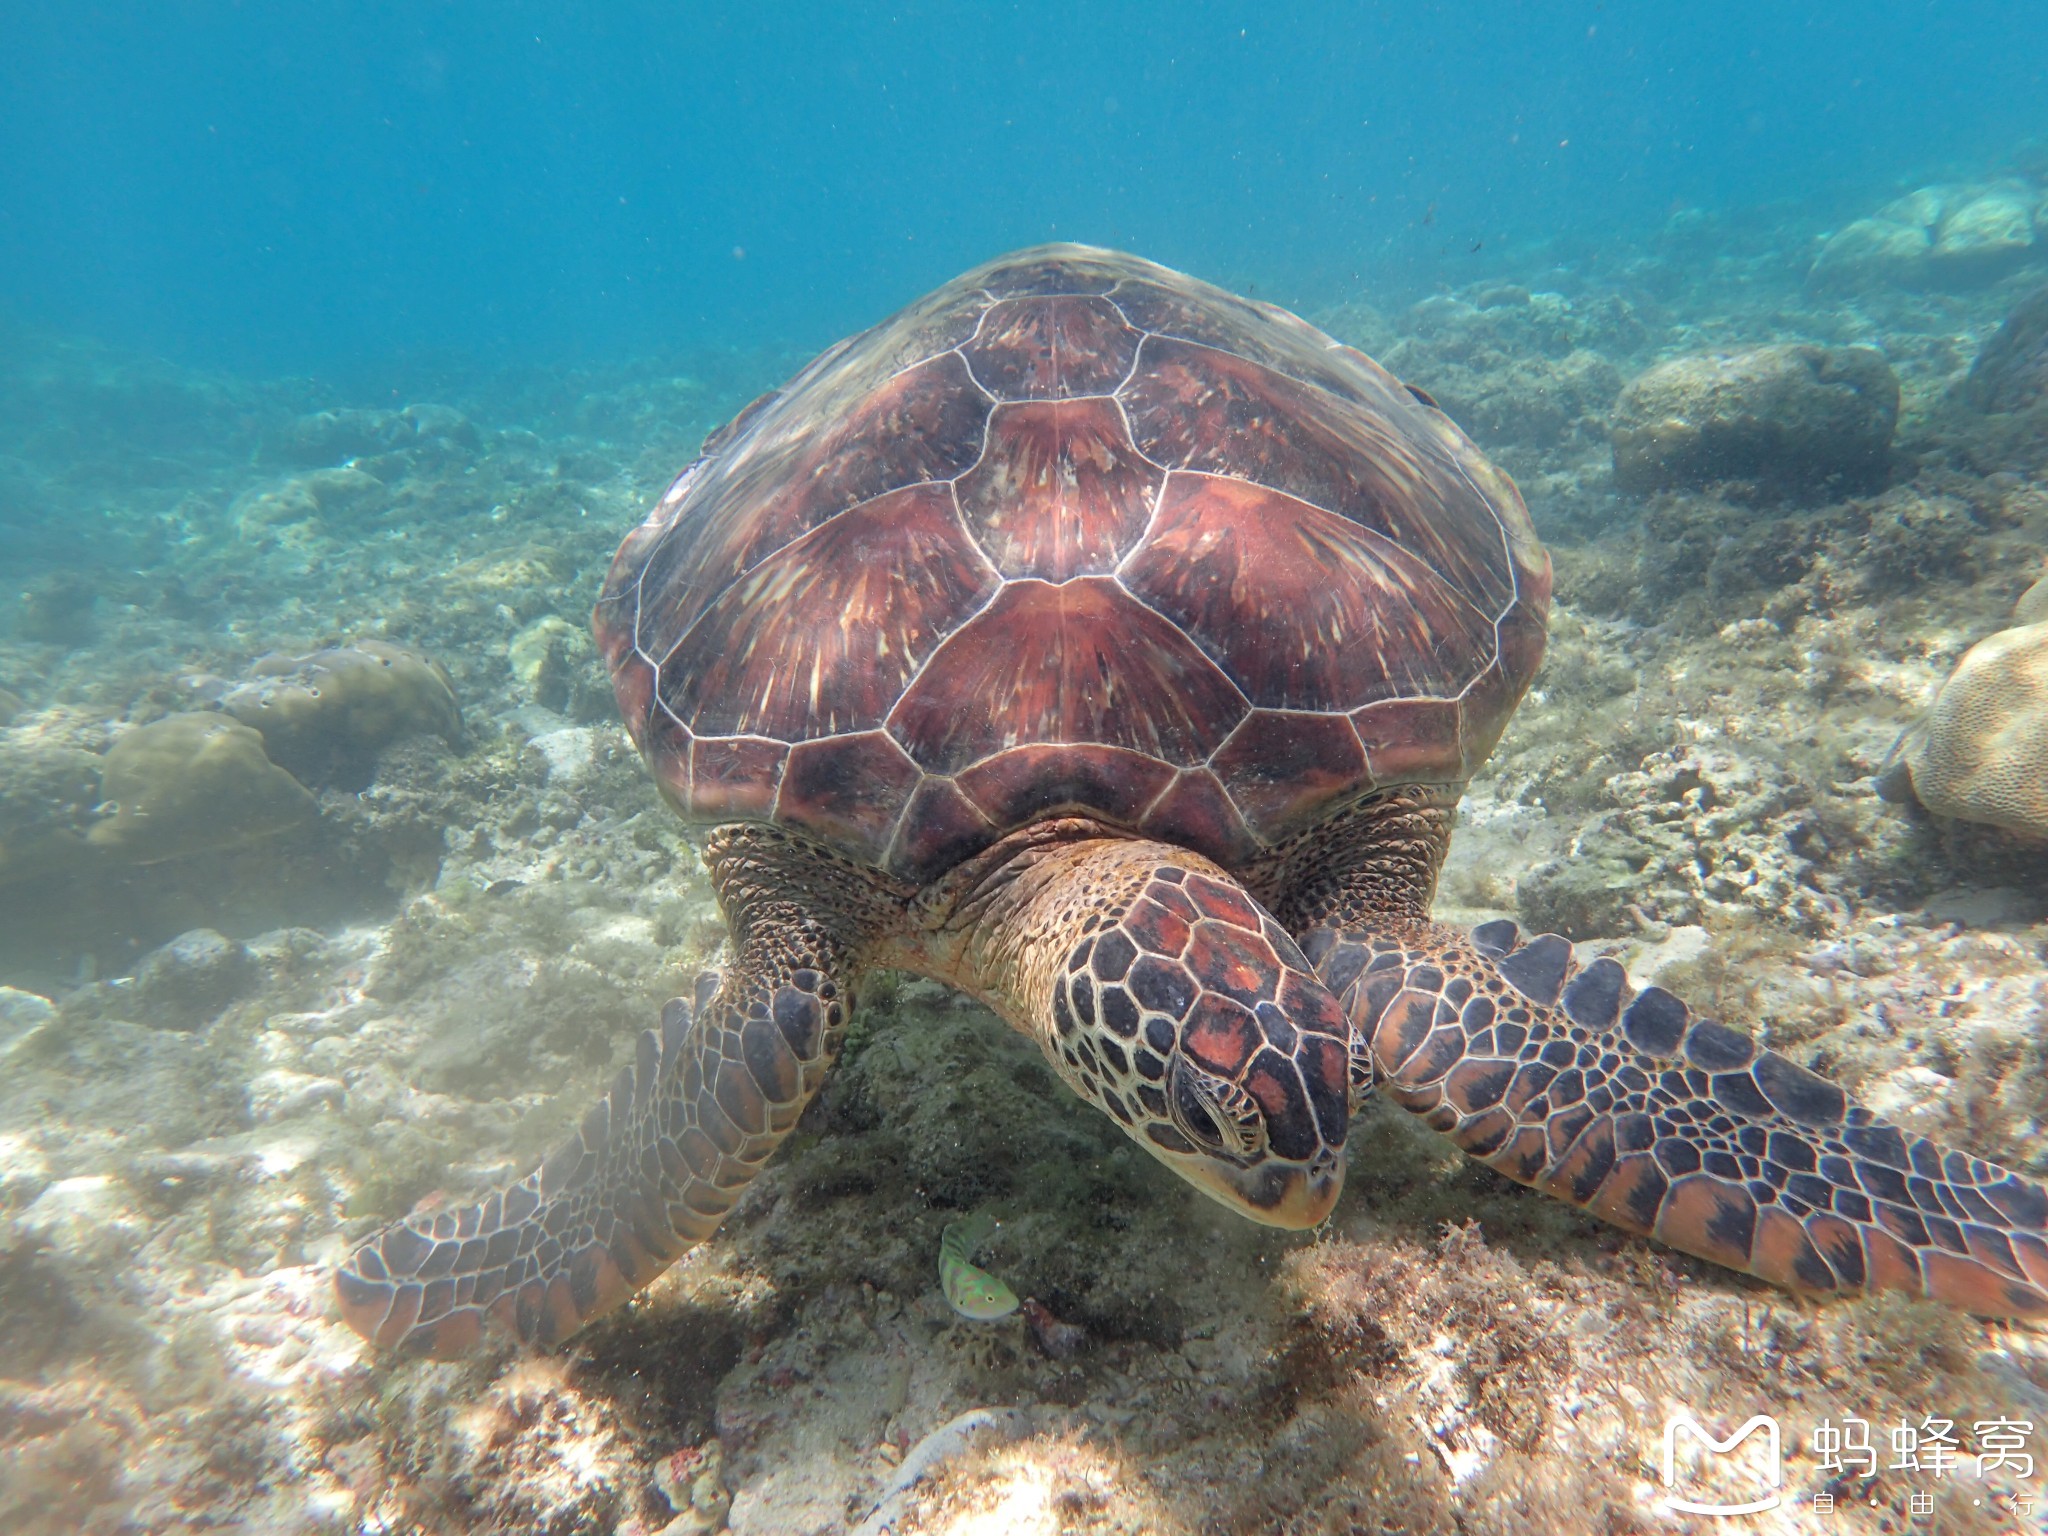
(972, 1292)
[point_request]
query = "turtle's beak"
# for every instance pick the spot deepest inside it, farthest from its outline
(1272, 1193)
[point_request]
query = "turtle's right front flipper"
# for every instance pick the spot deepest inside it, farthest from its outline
(1620, 1101)
(656, 1165)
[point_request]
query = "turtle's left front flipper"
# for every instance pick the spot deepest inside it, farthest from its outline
(1621, 1101)
(666, 1153)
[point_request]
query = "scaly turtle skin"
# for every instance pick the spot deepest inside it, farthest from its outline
(1117, 650)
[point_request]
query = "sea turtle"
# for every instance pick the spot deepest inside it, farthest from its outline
(1116, 650)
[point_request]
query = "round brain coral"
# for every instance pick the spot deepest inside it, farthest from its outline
(1981, 753)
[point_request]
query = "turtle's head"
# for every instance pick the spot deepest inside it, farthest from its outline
(1167, 997)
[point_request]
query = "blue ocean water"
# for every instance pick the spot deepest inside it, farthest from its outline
(320, 187)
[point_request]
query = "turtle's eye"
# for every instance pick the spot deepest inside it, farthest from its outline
(1214, 1113)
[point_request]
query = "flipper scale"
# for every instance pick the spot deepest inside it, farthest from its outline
(651, 1171)
(1682, 1128)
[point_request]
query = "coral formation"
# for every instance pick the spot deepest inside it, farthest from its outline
(325, 716)
(337, 496)
(1696, 554)
(1695, 832)
(1981, 752)
(548, 657)
(1516, 369)
(190, 782)
(1944, 235)
(2032, 608)
(1793, 419)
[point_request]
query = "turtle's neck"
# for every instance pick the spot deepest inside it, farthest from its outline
(976, 927)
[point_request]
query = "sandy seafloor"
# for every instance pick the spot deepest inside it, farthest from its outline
(447, 964)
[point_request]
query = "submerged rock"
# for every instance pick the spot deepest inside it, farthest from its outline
(544, 657)
(88, 1219)
(2011, 372)
(1793, 419)
(23, 1016)
(1868, 250)
(1987, 232)
(192, 978)
(328, 496)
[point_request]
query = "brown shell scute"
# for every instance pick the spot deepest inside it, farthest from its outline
(1084, 661)
(1059, 490)
(922, 425)
(1193, 408)
(1302, 608)
(898, 571)
(1051, 348)
(1074, 533)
